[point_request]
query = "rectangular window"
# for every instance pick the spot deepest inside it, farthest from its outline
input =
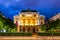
(34, 21)
(24, 21)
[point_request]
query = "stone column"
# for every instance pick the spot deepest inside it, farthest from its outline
(21, 28)
(36, 29)
(26, 29)
(30, 29)
(18, 28)
(39, 29)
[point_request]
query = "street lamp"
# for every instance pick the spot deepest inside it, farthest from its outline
(52, 35)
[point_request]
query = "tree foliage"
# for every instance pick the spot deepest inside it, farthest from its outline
(52, 26)
(7, 24)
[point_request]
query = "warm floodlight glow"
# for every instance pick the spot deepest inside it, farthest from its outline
(31, 24)
(22, 24)
(26, 24)
(29, 15)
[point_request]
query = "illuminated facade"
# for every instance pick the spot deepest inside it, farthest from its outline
(28, 21)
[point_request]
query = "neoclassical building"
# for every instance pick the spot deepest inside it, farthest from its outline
(29, 21)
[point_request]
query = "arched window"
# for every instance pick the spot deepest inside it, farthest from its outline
(34, 21)
(28, 21)
(23, 15)
(34, 15)
(23, 21)
(41, 18)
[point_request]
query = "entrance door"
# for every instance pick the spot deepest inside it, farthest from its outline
(23, 29)
(28, 29)
(34, 30)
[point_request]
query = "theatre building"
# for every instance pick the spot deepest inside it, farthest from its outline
(29, 21)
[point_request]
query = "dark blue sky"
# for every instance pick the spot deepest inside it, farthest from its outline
(48, 8)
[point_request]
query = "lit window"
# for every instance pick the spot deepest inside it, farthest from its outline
(28, 21)
(41, 18)
(23, 20)
(31, 24)
(17, 19)
(23, 15)
(26, 24)
(34, 15)
(34, 21)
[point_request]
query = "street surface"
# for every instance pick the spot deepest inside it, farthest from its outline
(29, 38)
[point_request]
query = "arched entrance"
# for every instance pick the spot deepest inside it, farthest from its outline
(23, 29)
(33, 30)
(28, 29)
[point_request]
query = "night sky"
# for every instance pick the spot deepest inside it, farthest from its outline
(48, 8)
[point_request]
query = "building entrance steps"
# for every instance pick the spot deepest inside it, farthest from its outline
(34, 34)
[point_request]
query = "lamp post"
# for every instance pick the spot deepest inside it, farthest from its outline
(52, 35)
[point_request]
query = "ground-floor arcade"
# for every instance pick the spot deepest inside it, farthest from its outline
(28, 28)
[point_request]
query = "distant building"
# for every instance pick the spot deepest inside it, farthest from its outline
(28, 21)
(55, 17)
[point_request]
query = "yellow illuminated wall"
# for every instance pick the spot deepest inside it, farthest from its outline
(29, 20)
